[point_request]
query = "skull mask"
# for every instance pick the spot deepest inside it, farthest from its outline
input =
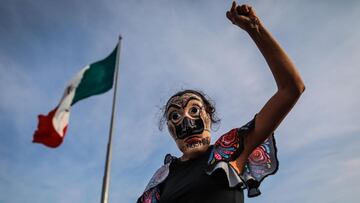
(186, 116)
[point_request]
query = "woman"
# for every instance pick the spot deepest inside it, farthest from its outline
(239, 159)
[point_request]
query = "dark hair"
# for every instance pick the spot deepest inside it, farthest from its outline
(208, 102)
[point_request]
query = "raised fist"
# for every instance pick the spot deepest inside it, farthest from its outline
(243, 16)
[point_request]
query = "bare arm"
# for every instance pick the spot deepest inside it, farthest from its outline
(288, 80)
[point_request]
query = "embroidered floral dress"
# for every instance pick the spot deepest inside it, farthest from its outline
(261, 163)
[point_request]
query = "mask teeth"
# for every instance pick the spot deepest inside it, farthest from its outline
(202, 142)
(194, 144)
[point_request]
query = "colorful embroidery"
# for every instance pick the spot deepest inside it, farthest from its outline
(263, 160)
(226, 148)
(150, 196)
(259, 156)
(159, 176)
(152, 193)
(261, 163)
(229, 146)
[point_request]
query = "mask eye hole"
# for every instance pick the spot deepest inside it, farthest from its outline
(194, 111)
(174, 117)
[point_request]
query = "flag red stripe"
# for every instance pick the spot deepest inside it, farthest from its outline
(46, 133)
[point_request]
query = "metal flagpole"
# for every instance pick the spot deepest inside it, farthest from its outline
(106, 179)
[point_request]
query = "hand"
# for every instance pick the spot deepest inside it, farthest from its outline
(243, 16)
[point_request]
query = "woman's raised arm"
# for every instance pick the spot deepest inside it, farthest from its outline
(288, 80)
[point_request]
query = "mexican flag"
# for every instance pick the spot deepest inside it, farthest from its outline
(93, 79)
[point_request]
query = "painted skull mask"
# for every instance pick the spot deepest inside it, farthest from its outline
(188, 122)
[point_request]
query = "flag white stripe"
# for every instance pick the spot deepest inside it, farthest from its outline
(62, 114)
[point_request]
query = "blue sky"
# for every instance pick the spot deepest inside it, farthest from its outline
(169, 46)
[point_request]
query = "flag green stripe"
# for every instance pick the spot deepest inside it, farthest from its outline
(97, 79)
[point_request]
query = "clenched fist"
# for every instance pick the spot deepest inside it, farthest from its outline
(243, 16)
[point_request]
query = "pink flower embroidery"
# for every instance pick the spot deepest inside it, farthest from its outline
(259, 156)
(229, 139)
(217, 156)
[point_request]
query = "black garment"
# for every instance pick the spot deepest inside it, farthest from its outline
(188, 183)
